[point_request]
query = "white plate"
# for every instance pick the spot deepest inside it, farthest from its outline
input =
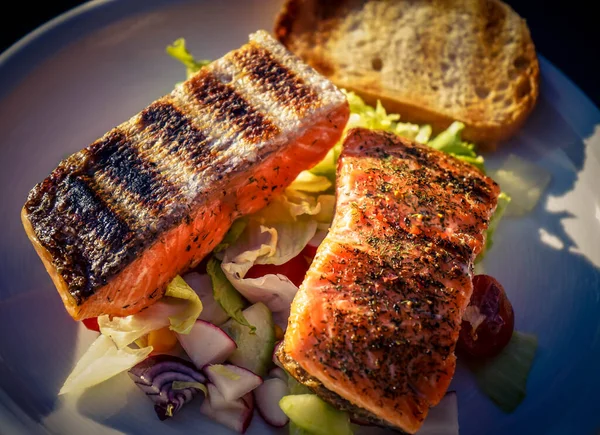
(83, 73)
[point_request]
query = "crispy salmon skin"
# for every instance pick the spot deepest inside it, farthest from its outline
(375, 323)
(117, 221)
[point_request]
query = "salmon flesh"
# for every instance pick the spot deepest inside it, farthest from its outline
(117, 221)
(375, 323)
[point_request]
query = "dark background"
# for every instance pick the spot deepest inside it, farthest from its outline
(567, 33)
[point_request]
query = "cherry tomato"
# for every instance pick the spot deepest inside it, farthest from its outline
(310, 251)
(162, 340)
(489, 321)
(294, 270)
(91, 324)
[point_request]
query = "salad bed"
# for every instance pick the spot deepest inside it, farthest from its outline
(214, 333)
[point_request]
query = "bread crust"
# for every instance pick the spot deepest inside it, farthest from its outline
(499, 59)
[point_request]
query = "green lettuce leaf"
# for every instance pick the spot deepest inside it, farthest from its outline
(308, 181)
(376, 118)
(236, 230)
(178, 51)
(225, 294)
(449, 141)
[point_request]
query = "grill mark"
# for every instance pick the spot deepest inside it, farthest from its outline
(275, 78)
(225, 105)
(169, 124)
(85, 231)
(116, 157)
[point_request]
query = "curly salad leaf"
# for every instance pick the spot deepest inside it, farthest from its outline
(178, 51)
(183, 321)
(276, 235)
(178, 310)
(376, 118)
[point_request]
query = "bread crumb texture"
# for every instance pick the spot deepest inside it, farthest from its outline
(432, 61)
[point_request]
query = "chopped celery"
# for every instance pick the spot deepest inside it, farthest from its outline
(311, 413)
(504, 377)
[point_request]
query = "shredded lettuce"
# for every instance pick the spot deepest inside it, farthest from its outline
(275, 244)
(178, 51)
(100, 362)
(225, 294)
(126, 330)
(450, 142)
(183, 321)
(307, 181)
(179, 309)
(504, 378)
(376, 118)
(236, 230)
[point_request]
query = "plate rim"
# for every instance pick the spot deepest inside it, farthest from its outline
(27, 41)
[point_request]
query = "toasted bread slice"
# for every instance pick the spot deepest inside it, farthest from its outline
(432, 61)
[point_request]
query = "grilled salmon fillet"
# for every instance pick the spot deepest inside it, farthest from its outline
(117, 221)
(375, 323)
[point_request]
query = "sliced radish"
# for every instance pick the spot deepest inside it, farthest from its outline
(249, 400)
(232, 381)
(236, 414)
(268, 396)
(442, 418)
(206, 344)
(211, 310)
(279, 373)
(275, 350)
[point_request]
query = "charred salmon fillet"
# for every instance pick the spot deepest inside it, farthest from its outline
(375, 323)
(117, 221)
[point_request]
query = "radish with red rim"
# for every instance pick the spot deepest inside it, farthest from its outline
(278, 372)
(206, 344)
(274, 357)
(212, 311)
(267, 397)
(236, 414)
(232, 381)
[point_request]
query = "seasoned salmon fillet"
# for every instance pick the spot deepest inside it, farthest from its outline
(117, 221)
(375, 323)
